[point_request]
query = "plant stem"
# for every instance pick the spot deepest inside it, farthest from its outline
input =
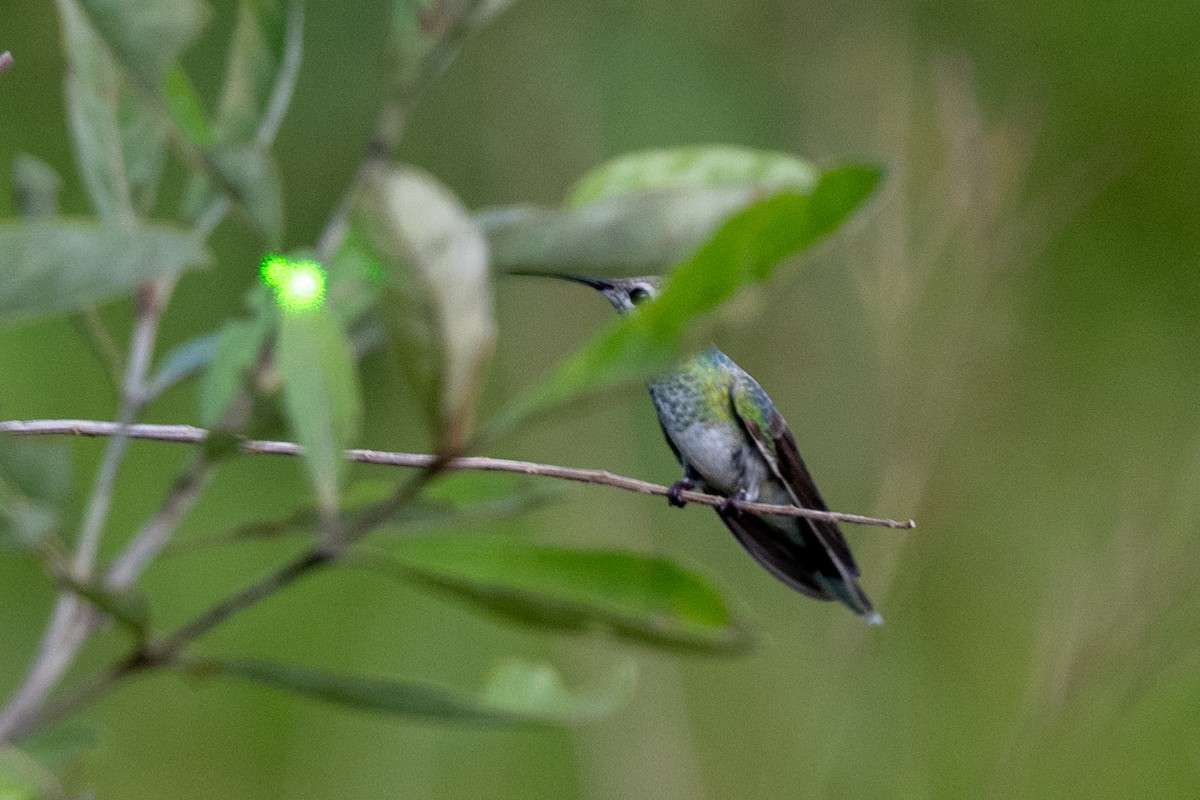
(193, 435)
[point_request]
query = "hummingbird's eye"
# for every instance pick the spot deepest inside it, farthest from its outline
(637, 294)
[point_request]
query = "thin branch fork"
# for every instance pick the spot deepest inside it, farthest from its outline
(192, 435)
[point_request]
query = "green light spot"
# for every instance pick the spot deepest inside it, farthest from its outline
(298, 284)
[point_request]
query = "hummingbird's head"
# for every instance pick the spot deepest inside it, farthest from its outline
(623, 293)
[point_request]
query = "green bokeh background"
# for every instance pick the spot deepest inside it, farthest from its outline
(1003, 345)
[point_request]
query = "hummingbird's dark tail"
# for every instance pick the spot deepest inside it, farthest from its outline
(794, 553)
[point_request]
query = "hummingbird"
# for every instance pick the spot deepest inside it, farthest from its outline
(732, 441)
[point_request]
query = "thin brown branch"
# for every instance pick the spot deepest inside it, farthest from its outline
(193, 435)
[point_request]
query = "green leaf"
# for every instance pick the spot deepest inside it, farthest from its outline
(320, 394)
(440, 297)
(236, 349)
(694, 168)
(182, 362)
(184, 107)
(256, 57)
(119, 143)
(147, 36)
(36, 185)
(744, 250)
(617, 234)
(22, 778)
(52, 266)
(644, 210)
(252, 177)
(426, 34)
(626, 594)
(451, 500)
(516, 694)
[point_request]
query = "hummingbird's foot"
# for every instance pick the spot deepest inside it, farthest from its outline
(729, 504)
(676, 488)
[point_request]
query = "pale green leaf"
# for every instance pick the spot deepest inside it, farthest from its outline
(626, 594)
(119, 143)
(638, 233)
(147, 35)
(182, 362)
(516, 694)
(52, 266)
(642, 211)
(744, 250)
(237, 346)
(696, 167)
(438, 264)
(320, 393)
(251, 176)
(36, 186)
(23, 778)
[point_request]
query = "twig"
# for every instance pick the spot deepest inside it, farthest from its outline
(193, 435)
(73, 618)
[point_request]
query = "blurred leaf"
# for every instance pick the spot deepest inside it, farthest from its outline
(256, 57)
(744, 250)
(58, 265)
(36, 185)
(694, 168)
(426, 35)
(252, 176)
(184, 107)
(640, 232)
(147, 35)
(516, 694)
(320, 393)
(641, 211)
(119, 143)
(237, 347)
(38, 469)
(35, 483)
(356, 279)
(22, 778)
(448, 501)
(61, 746)
(537, 690)
(626, 594)
(182, 362)
(440, 297)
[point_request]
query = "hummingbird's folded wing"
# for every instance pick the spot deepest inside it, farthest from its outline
(771, 435)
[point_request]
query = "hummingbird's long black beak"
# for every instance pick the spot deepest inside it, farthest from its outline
(599, 284)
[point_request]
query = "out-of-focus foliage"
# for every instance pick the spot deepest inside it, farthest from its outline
(1001, 345)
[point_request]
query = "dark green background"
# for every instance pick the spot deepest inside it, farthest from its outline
(1003, 345)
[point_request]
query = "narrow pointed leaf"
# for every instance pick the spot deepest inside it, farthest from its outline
(147, 35)
(182, 362)
(52, 266)
(439, 290)
(515, 695)
(649, 599)
(237, 345)
(257, 54)
(744, 250)
(320, 393)
(250, 174)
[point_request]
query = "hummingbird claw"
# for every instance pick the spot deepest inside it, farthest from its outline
(729, 505)
(676, 489)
